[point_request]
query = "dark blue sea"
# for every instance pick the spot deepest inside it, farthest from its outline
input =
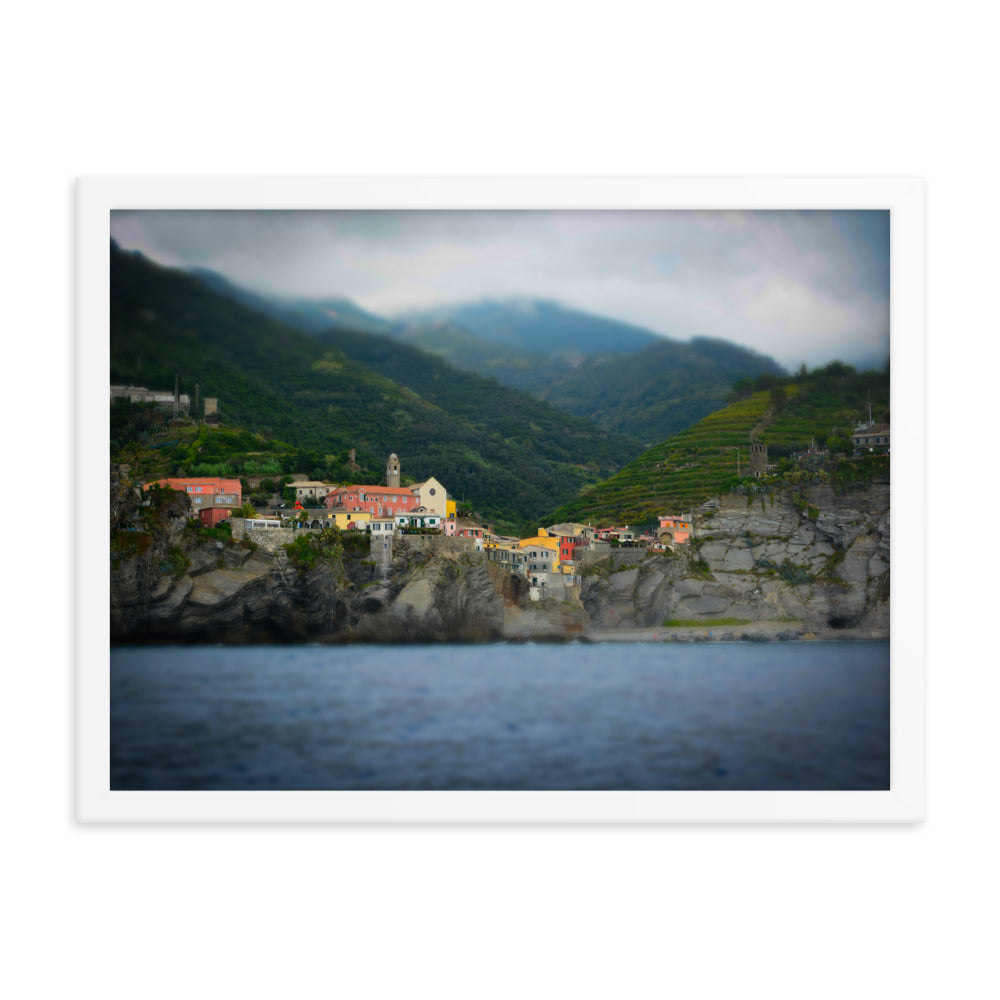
(714, 715)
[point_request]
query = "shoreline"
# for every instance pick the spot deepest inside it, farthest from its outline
(754, 632)
(758, 632)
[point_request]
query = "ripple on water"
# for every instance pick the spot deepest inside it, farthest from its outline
(601, 716)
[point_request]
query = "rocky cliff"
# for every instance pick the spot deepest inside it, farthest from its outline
(816, 562)
(810, 563)
(218, 591)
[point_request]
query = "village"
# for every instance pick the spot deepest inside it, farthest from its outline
(549, 560)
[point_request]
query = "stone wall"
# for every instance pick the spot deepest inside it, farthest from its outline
(271, 539)
(437, 544)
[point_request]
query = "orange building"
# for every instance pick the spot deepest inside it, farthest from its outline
(209, 491)
(678, 528)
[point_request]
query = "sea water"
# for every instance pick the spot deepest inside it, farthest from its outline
(714, 715)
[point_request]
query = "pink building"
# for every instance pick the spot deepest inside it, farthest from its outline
(379, 501)
(678, 527)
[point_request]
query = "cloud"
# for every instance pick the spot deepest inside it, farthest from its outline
(800, 286)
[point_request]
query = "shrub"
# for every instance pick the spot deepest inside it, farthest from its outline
(176, 563)
(309, 548)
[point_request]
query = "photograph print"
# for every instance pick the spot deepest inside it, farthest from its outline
(499, 500)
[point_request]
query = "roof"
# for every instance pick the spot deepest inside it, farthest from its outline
(874, 429)
(361, 488)
(224, 485)
(567, 528)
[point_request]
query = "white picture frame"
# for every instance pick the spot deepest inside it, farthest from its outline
(903, 802)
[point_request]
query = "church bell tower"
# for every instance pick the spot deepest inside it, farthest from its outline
(392, 471)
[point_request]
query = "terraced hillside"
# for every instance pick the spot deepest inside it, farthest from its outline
(701, 462)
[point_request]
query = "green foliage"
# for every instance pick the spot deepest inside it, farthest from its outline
(700, 569)
(176, 563)
(700, 462)
(859, 473)
(788, 571)
(246, 510)
(355, 542)
(659, 390)
(310, 548)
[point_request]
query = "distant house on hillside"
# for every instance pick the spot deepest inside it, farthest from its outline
(162, 397)
(875, 436)
(674, 530)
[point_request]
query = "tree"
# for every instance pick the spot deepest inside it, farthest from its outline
(244, 510)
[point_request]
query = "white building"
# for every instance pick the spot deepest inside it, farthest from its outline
(432, 495)
(311, 488)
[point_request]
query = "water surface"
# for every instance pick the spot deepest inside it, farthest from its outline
(604, 716)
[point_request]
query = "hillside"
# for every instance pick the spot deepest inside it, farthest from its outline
(311, 315)
(660, 389)
(281, 383)
(534, 373)
(701, 461)
(537, 327)
(624, 379)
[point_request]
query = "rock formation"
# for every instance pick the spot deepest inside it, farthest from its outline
(812, 563)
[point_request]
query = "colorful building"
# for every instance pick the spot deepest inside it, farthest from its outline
(210, 491)
(345, 519)
(420, 517)
(875, 436)
(674, 529)
(211, 516)
(546, 541)
(432, 495)
(379, 501)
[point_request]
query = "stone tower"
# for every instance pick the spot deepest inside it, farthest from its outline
(758, 459)
(392, 471)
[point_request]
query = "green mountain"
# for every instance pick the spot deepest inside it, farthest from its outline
(311, 315)
(534, 373)
(625, 379)
(659, 390)
(537, 327)
(701, 461)
(507, 455)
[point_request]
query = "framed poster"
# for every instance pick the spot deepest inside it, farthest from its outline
(500, 500)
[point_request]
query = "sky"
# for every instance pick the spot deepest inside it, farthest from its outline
(805, 287)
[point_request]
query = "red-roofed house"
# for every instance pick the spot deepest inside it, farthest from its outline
(379, 501)
(209, 491)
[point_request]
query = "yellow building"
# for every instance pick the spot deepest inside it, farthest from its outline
(342, 518)
(546, 540)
